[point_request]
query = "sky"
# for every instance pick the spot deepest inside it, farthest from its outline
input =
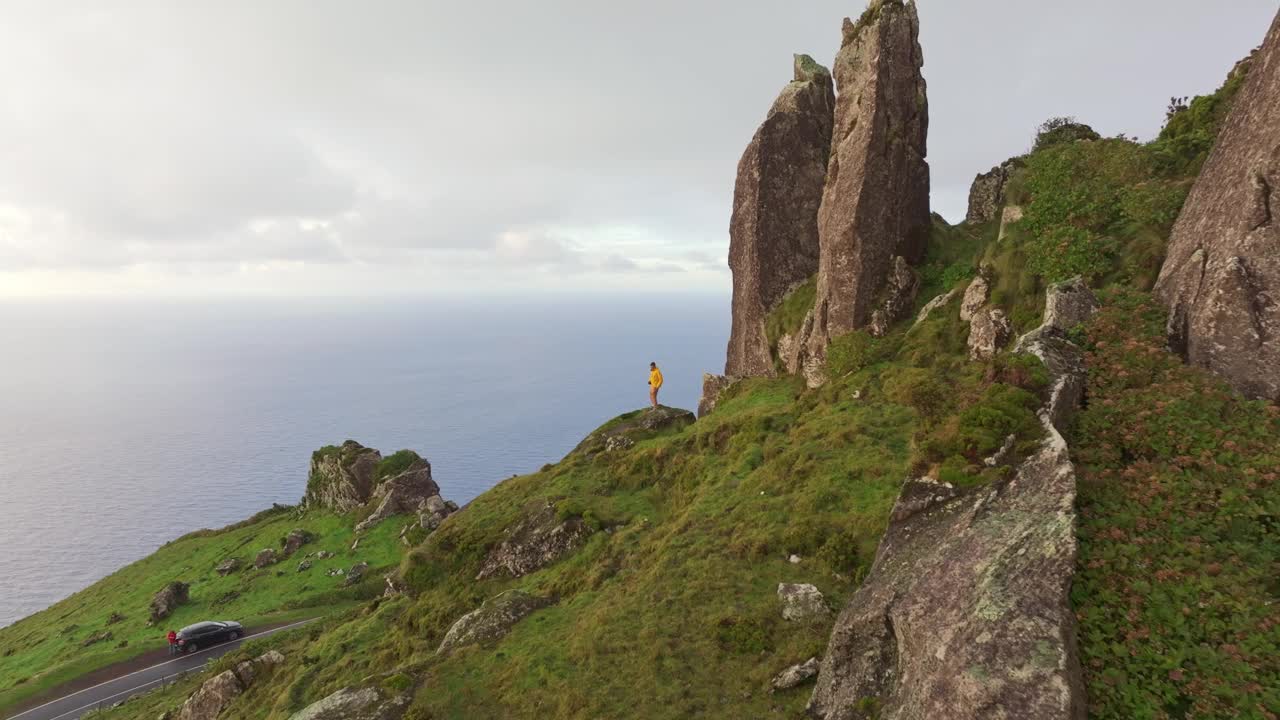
(336, 148)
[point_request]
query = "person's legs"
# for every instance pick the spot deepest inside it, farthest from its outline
(653, 396)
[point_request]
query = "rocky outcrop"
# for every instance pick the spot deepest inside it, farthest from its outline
(989, 330)
(217, 693)
(492, 620)
(164, 602)
(986, 194)
(1221, 276)
(412, 491)
(1010, 215)
(875, 204)
(801, 601)
(534, 542)
(975, 296)
(713, 386)
(213, 696)
(228, 566)
(773, 234)
(369, 703)
(434, 510)
(635, 425)
(795, 676)
(266, 557)
(341, 477)
(965, 612)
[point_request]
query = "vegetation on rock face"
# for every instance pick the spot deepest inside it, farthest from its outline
(1191, 128)
(1179, 557)
(788, 316)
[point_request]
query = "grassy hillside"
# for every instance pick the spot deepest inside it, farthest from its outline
(48, 647)
(669, 608)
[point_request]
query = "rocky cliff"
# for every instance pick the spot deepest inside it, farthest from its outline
(875, 205)
(773, 234)
(1221, 277)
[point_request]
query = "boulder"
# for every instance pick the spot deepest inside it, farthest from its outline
(986, 194)
(406, 493)
(492, 620)
(266, 557)
(875, 203)
(249, 670)
(304, 566)
(773, 234)
(989, 330)
(295, 540)
(356, 573)
(350, 703)
(1068, 304)
(537, 540)
(341, 478)
(800, 602)
(228, 566)
(713, 386)
(212, 697)
(1221, 275)
(114, 618)
(164, 602)
(975, 296)
(965, 612)
(796, 675)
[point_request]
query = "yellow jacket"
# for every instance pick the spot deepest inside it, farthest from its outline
(655, 378)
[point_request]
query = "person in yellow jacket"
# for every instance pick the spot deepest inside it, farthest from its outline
(655, 383)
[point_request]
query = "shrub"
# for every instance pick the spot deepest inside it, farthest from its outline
(1062, 130)
(919, 389)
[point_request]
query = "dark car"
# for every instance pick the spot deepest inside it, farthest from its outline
(203, 634)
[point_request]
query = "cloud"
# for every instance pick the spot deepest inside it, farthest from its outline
(445, 143)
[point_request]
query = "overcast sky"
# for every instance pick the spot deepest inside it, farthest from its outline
(316, 147)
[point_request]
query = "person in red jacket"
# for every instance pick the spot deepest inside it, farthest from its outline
(173, 643)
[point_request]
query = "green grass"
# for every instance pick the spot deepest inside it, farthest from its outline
(43, 650)
(1179, 549)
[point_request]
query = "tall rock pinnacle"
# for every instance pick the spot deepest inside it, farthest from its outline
(875, 205)
(1221, 278)
(773, 235)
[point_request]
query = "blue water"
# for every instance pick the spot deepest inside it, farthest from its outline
(125, 424)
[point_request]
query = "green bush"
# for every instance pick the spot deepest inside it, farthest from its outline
(1078, 201)
(1061, 131)
(917, 388)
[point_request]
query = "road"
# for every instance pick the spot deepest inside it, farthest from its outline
(73, 705)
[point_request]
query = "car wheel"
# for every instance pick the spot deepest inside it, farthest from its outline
(192, 647)
(233, 636)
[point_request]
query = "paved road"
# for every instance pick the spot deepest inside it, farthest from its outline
(69, 707)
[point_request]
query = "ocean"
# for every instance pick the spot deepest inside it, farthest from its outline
(124, 424)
